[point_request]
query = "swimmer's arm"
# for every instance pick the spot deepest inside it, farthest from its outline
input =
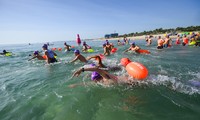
(101, 72)
(104, 51)
(88, 58)
(75, 59)
(78, 72)
(32, 58)
(48, 60)
(136, 48)
(127, 50)
(78, 84)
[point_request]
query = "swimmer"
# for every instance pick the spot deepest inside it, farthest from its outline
(85, 47)
(133, 47)
(103, 76)
(149, 40)
(50, 54)
(126, 40)
(109, 46)
(160, 43)
(37, 55)
(168, 42)
(106, 50)
(5, 52)
(178, 40)
(67, 47)
(185, 40)
(78, 56)
(197, 38)
(99, 62)
(101, 65)
(119, 43)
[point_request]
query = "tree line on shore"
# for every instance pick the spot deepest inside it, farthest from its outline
(163, 31)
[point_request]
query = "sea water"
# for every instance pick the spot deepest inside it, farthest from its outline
(32, 90)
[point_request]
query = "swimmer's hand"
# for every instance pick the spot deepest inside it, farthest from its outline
(77, 73)
(67, 62)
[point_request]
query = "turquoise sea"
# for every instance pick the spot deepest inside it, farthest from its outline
(31, 90)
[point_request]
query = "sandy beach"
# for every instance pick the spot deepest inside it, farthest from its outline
(137, 37)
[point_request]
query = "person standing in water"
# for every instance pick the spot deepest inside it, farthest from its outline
(168, 42)
(149, 41)
(160, 43)
(106, 50)
(119, 43)
(109, 45)
(178, 40)
(49, 54)
(185, 40)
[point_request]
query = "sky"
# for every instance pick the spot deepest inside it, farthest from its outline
(39, 21)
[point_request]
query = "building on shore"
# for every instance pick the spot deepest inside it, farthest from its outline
(112, 35)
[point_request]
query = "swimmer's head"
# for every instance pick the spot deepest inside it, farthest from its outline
(36, 53)
(107, 43)
(95, 76)
(104, 44)
(92, 65)
(4, 51)
(76, 51)
(84, 43)
(125, 61)
(65, 43)
(45, 46)
(133, 44)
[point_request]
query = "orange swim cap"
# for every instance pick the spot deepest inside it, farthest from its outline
(125, 61)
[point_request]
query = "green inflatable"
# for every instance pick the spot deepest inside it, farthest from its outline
(8, 54)
(90, 50)
(192, 43)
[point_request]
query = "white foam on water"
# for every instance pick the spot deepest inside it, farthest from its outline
(173, 84)
(3, 87)
(59, 96)
(197, 75)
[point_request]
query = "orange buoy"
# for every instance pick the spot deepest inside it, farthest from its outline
(53, 49)
(114, 50)
(135, 69)
(59, 49)
(44, 56)
(125, 61)
(72, 47)
(143, 51)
